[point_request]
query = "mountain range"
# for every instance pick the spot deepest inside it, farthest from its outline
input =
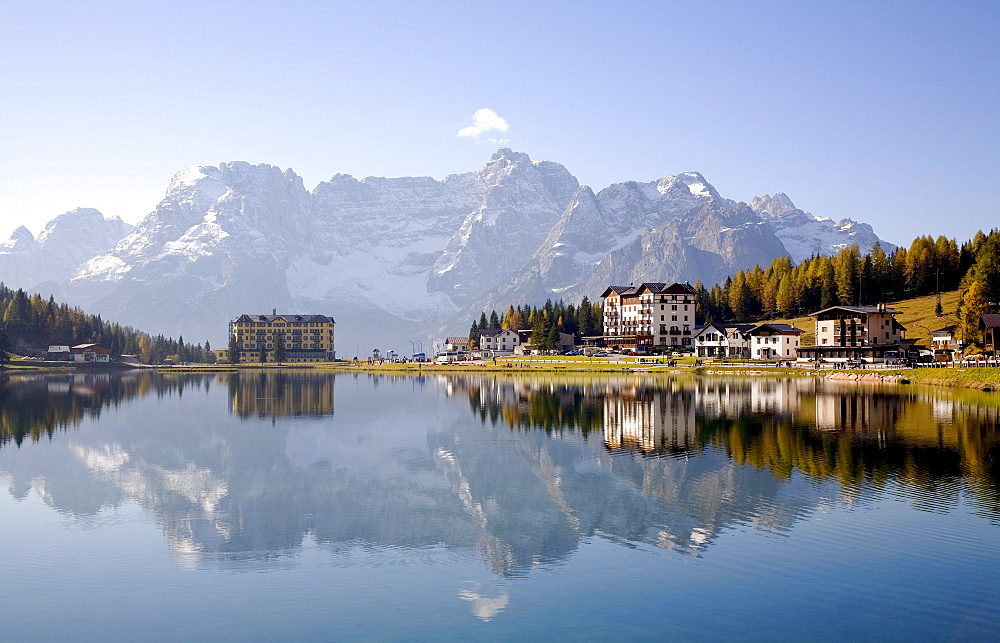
(395, 260)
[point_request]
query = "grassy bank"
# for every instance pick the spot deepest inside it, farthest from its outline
(983, 379)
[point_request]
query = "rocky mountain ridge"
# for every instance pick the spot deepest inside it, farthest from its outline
(395, 259)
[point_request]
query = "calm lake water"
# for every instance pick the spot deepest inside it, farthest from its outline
(303, 505)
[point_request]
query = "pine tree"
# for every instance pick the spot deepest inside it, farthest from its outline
(278, 354)
(540, 338)
(974, 306)
(234, 349)
(508, 318)
(986, 270)
(4, 346)
(474, 335)
(784, 300)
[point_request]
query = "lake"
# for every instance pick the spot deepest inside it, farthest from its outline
(304, 505)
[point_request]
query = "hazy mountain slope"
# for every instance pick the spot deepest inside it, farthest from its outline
(67, 241)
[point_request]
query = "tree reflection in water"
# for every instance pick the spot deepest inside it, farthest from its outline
(924, 439)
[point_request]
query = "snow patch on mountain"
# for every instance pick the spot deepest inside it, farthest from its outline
(805, 234)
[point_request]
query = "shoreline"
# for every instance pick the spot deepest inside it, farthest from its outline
(986, 379)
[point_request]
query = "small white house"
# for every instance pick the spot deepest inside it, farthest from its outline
(943, 339)
(60, 352)
(565, 342)
(774, 341)
(503, 340)
(723, 339)
(91, 353)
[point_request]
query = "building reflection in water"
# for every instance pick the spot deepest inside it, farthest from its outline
(277, 394)
(823, 429)
(649, 420)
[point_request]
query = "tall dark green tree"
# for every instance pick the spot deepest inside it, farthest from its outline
(278, 353)
(234, 349)
(4, 345)
(474, 335)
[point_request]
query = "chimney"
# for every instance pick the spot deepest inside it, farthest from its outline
(274, 311)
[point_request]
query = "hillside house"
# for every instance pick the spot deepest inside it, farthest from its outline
(944, 343)
(91, 353)
(503, 340)
(60, 353)
(856, 332)
(774, 341)
(723, 339)
(565, 342)
(990, 326)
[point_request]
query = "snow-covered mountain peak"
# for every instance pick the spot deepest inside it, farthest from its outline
(83, 222)
(805, 234)
(697, 184)
(773, 206)
(686, 184)
(196, 186)
(507, 155)
(22, 235)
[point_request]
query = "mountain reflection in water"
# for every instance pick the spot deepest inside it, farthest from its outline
(540, 464)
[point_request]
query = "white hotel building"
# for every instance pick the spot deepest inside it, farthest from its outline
(649, 315)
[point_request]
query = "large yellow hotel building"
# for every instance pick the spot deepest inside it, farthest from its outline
(308, 338)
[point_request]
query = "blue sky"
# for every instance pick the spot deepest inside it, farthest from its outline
(886, 112)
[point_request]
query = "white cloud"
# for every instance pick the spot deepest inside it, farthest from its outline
(484, 120)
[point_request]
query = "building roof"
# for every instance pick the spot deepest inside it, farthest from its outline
(674, 288)
(867, 310)
(494, 333)
(286, 318)
(620, 290)
(655, 287)
(989, 321)
(782, 329)
(947, 330)
(457, 340)
(83, 347)
(724, 327)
